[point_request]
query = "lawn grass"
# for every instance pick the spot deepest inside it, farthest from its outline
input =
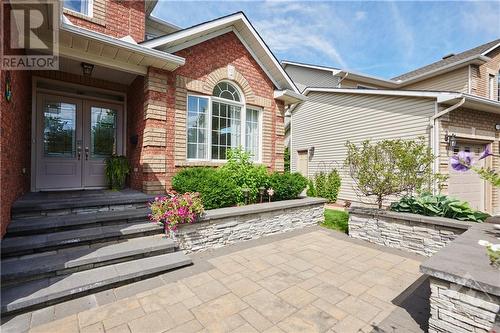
(336, 220)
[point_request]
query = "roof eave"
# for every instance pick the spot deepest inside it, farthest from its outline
(288, 96)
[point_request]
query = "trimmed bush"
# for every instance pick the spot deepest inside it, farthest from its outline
(246, 175)
(325, 185)
(215, 188)
(287, 185)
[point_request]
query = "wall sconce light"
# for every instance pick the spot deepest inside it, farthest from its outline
(87, 69)
(311, 152)
(451, 140)
(497, 127)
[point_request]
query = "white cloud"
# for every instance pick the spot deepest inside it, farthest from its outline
(482, 17)
(359, 15)
(302, 28)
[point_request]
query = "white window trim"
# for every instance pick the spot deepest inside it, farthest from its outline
(491, 86)
(243, 114)
(90, 9)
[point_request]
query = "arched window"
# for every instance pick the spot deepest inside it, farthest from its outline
(227, 91)
(222, 122)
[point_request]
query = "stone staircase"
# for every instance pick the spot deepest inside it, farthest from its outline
(64, 245)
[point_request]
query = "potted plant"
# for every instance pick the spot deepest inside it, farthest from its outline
(116, 171)
(174, 209)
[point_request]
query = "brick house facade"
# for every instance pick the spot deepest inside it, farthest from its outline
(152, 92)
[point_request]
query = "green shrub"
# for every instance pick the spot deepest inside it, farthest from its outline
(241, 170)
(116, 170)
(215, 188)
(438, 205)
(327, 185)
(311, 189)
(287, 185)
(336, 220)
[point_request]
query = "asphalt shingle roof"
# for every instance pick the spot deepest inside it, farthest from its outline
(442, 63)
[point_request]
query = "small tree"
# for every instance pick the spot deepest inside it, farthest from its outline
(389, 167)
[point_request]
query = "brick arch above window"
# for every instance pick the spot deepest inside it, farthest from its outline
(222, 74)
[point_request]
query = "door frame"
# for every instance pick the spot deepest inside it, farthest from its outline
(73, 90)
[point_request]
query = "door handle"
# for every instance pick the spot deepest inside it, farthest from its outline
(86, 153)
(79, 152)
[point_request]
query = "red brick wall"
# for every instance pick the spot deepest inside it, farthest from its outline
(135, 126)
(204, 58)
(122, 18)
(15, 142)
(15, 131)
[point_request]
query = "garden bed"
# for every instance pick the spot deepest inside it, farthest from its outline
(420, 234)
(223, 226)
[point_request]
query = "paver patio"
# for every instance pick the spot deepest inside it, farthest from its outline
(312, 280)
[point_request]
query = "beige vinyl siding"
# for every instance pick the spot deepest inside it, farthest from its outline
(309, 77)
(327, 120)
(347, 83)
(456, 80)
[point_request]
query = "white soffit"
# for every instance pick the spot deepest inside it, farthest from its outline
(85, 45)
(238, 24)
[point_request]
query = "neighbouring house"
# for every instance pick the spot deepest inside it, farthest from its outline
(453, 103)
(131, 84)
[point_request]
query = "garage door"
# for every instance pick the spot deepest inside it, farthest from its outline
(468, 186)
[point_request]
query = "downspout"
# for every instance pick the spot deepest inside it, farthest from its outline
(435, 145)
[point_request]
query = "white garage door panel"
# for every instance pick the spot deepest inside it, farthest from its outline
(468, 186)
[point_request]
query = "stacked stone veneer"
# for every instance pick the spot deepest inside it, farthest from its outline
(226, 226)
(414, 233)
(455, 308)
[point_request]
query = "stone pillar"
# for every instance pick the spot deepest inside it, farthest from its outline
(153, 156)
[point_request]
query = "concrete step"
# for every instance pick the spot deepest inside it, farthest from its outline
(46, 224)
(77, 202)
(15, 246)
(53, 263)
(44, 292)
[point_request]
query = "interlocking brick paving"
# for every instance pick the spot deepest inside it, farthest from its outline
(312, 280)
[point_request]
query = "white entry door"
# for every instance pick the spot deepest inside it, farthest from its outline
(74, 138)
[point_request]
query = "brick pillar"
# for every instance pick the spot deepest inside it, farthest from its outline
(153, 156)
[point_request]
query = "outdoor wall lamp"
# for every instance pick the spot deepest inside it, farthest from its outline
(311, 152)
(451, 140)
(497, 127)
(87, 69)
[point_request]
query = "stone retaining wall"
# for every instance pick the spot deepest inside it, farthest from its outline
(459, 309)
(220, 227)
(415, 233)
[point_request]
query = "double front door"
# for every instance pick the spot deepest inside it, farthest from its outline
(74, 137)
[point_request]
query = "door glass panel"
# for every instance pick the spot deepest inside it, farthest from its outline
(102, 132)
(59, 133)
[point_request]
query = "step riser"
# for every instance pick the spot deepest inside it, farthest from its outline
(76, 210)
(89, 289)
(78, 242)
(11, 233)
(16, 280)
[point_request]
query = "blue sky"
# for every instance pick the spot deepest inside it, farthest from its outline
(378, 38)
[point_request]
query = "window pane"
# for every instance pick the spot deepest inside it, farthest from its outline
(226, 91)
(102, 132)
(252, 133)
(226, 129)
(59, 130)
(80, 6)
(197, 129)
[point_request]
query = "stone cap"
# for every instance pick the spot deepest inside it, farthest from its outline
(465, 262)
(220, 213)
(441, 221)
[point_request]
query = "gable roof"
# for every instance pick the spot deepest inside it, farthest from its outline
(239, 24)
(476, 52)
